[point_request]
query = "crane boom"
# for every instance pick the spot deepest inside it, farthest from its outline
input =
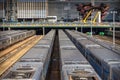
(84, 20)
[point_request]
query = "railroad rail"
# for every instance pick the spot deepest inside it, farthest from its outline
(54, 66)
(14, 49)
(15, 54)
(108, 39)
(17, 45)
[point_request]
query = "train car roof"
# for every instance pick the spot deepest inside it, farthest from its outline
(24, 71)
(104, 54)
(72, 57)
(66, 43)
(39, 54)
(44, 42)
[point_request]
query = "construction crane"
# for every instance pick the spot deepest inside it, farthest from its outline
(88, 10)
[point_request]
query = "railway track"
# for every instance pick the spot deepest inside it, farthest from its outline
(54, 67)
(10, 50)
(9, 56)
(108, 39)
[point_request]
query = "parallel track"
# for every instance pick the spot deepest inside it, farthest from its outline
(108, 41)
(54, 67)
(13, 49)
(107, 38)
(8, 58)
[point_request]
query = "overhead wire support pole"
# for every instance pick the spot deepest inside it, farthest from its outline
(93, 3)
(113, 12)
(91, 24)
(113, 29)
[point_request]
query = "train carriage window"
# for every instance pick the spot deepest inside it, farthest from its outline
(3, 42)
(98, 61)
(0, 42)
(12, 39)
(83, 79)
(15, 38)
(23, 35)
(8, 41)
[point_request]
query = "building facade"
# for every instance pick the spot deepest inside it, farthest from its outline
(23, 10)
(38, 10)
(2, 11)
(34, 10)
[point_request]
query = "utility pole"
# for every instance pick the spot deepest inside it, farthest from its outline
(113, 12)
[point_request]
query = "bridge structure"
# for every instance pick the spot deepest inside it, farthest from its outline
(64, 25)
(59, 25)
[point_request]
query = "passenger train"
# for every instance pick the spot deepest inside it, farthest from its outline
(74, 66)
(105, 61)
(8, 38)
(34, 64)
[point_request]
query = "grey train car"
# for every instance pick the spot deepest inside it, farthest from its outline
(102, 59)
(74, 66)
(116, 72)
(25, 71)
(105, 44)
(38, 57)
(8, 40)
(8, 33)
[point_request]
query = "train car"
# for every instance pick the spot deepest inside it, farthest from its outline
(30, 33)
(4, 42)
(116, 72)
(25, 71)
(8, 40)
(42, 52)
(74, 66)
(37, 59)
(75, 38)
(8, 33)
(101, 58)
(38, 54)
(105, 44)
